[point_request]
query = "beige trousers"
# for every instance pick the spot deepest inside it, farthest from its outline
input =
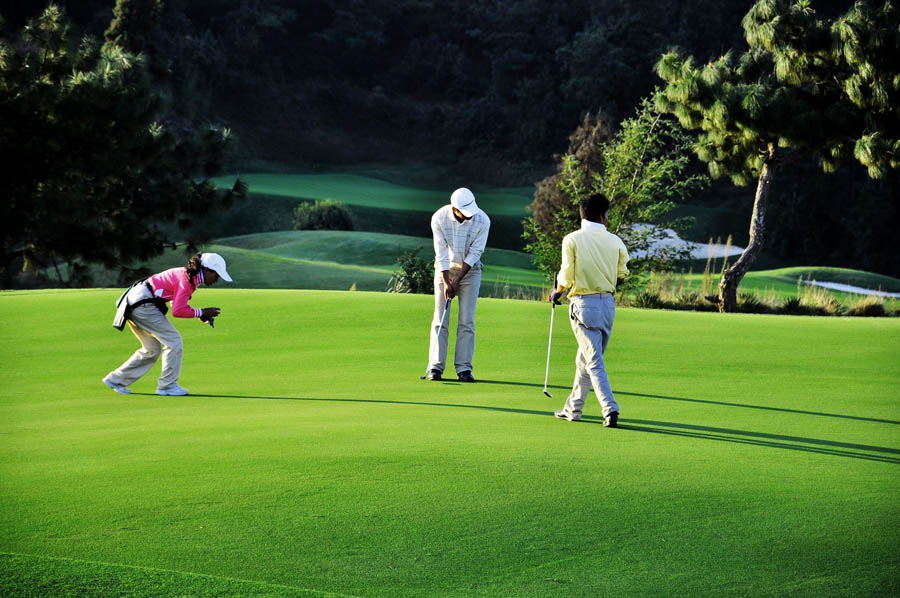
(592, 319)
(158, 337)
(466, 299)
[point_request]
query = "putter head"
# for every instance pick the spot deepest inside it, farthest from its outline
(547, 393)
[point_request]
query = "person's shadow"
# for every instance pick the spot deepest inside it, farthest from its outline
(795, 443)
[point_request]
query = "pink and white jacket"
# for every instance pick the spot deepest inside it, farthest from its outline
(174, 285)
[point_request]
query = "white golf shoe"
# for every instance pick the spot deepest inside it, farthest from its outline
(561, 414)
(172, 391)
(122, 390)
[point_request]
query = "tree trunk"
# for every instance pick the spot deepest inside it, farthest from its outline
(728, 286)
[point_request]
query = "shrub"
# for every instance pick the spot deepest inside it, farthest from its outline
(694, 301)
(750, 303)
(415, 276)
(793, 305)
(648, 300)
(323, 215)
(868, 307)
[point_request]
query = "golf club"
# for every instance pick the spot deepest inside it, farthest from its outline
(549, 342)
(553, 305)
(443, 318)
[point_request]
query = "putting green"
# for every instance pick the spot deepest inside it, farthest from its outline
(758, 455)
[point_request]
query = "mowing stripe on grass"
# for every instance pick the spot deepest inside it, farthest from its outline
(21, 574)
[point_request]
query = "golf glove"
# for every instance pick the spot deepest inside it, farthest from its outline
(554, 298)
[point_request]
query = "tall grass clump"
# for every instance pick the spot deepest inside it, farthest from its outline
(668, 290)
(505, 290)
(648, 299)
(708, 286)
(751, 303)
(794, 306)
(868, 307)
(817, 299)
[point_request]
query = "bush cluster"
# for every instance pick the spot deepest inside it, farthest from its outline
(415, 276)
(323, 215)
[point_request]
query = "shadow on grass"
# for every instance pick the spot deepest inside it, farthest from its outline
(761, 407)
(706, 402)
(794, 443)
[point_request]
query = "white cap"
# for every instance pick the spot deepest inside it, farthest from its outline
(216, 263)
(464, 201)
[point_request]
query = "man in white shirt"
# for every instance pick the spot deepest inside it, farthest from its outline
(460, 235)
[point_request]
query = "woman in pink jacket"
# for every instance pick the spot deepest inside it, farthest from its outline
(146, 317)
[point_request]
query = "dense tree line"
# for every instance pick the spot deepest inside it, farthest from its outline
(481, 89)
(333, 80)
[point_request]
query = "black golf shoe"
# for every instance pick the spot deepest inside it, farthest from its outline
(611, 420)
(465, 377)
(434, 375)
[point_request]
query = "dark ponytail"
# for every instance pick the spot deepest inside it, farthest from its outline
(193, 268)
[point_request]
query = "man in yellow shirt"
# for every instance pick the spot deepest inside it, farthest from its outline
(593, 265)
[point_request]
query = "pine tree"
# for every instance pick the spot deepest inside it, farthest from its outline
(805, 85)
(91, 174)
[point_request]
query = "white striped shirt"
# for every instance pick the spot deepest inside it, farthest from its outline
(455, 243)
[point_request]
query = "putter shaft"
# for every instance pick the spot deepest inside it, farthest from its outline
(443, 319)
(549, 344)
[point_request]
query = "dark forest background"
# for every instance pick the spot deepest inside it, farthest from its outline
(479, 90)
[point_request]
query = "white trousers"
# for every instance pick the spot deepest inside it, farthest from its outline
(158, 337)
(592, 319)
(466, 298)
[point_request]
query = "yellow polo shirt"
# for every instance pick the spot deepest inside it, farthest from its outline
(592, 259)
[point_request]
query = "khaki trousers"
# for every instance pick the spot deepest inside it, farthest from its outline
(466, 298)
(592, 319)
(158, 337)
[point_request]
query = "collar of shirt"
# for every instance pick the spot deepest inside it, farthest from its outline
(588, 225)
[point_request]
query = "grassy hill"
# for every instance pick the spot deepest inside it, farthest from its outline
(758, 455)
(357, 190)
(338, 260)
(377, 205)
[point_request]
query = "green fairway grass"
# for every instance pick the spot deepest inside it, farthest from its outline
(757, 455)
